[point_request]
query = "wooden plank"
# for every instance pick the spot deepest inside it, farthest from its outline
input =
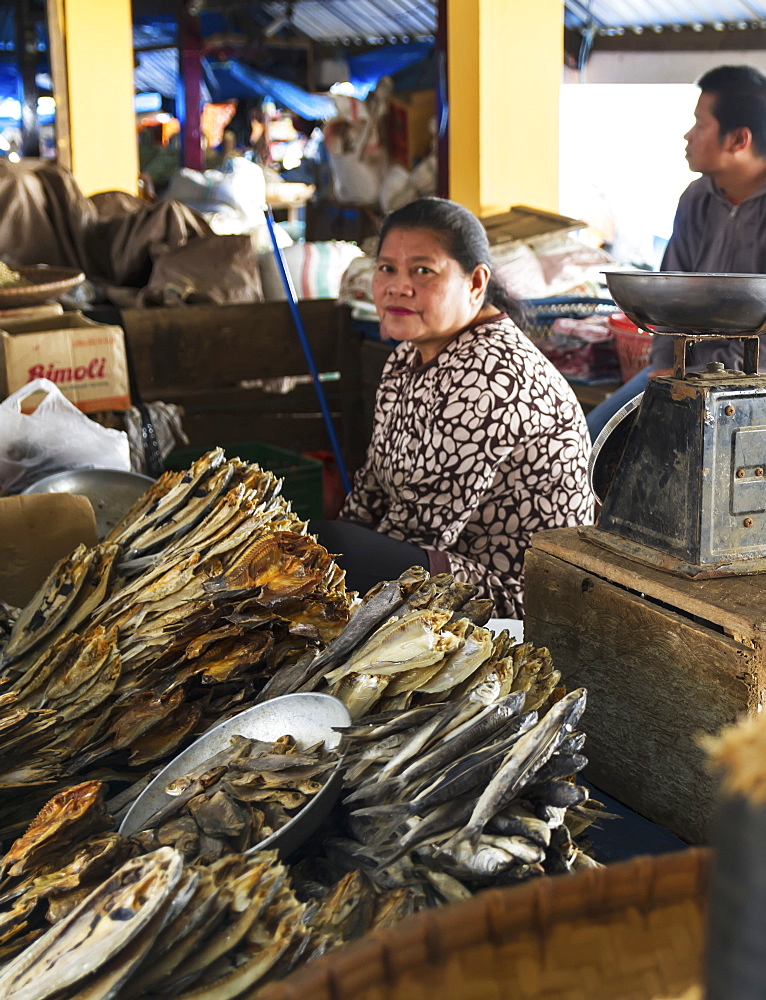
(354, 433)
(206, 346)
(655, 681)
(736, 604)
(305, 433)
(202, 357)
(302, 398)
(372, 357)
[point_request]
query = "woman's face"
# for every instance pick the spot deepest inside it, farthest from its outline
(421, 293)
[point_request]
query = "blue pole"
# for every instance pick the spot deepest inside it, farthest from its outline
(292, 301)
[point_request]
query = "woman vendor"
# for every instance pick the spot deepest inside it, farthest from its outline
(478, 442)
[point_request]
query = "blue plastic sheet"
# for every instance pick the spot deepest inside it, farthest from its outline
(11, 94)
(366, 70)
(232, 78)
(222, 81)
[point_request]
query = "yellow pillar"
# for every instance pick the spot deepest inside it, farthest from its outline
(92, 68)
(505, 60)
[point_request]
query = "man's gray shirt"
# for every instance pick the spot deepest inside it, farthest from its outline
(712, 235)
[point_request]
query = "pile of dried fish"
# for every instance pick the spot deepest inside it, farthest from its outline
(417, 640)
(207, 588)
(467, 767)
(158, 928)
(68, 853)
(477, 788)
(236, 799)
(418, 626)
(464, 776)
(68, 850)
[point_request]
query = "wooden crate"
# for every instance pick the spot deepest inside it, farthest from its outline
(213, 360)
(663, 658)
(409, 137)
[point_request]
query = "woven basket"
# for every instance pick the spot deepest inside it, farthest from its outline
(42, 284)
(633, 350)
(631, 931)
(542, 313)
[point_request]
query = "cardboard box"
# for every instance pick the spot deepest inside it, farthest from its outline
(36, 530)
(86, 360)
(29, 314)
(409, 135)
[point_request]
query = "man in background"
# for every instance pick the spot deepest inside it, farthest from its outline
(720, 223)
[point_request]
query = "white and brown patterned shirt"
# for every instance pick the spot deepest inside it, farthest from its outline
(471, 454)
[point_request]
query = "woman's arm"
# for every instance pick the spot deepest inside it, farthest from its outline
(365, 504)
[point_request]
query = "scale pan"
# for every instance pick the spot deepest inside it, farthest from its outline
(731, 305)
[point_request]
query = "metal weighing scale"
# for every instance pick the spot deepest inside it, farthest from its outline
(687, 467)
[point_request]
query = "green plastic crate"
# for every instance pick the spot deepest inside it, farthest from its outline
(302, 475)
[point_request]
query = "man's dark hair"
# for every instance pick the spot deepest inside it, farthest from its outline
(739, 101)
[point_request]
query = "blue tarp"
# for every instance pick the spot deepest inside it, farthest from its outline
(8, 31)
(232, 78)
(11, 93)
(365, 70)
(222, 81)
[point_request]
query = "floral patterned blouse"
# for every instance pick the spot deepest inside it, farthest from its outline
(471, 454)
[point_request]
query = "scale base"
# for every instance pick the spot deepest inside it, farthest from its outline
(669, 564)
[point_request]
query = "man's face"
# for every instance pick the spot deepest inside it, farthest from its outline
(705, 149)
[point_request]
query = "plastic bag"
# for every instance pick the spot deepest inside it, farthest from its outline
(55, 437)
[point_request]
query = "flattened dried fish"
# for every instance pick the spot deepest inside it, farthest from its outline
(107, 920)
(50, 604)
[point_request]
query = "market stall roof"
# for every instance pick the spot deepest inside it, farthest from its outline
(371, 22)
(606, 15)
(386, 22)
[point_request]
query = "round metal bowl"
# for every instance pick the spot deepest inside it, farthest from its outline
(308, 717)
(111, 492)
(700, 304)
(609, 445)
(41, 284)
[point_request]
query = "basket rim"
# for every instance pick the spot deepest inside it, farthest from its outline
(41, 283)
(536, 907)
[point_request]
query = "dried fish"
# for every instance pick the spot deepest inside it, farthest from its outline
(96, 930)
(245, 793)
(529, 754)
(50, 604)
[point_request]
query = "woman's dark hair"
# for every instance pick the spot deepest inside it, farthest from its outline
(739, 94)
(463, 238)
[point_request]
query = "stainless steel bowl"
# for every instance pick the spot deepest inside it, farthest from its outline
(308, 717)
(111, 492)
(695, 303)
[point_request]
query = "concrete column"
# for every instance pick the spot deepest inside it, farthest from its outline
(92, 68)
(505, 64)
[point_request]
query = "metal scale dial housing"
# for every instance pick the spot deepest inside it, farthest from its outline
(689, 492)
